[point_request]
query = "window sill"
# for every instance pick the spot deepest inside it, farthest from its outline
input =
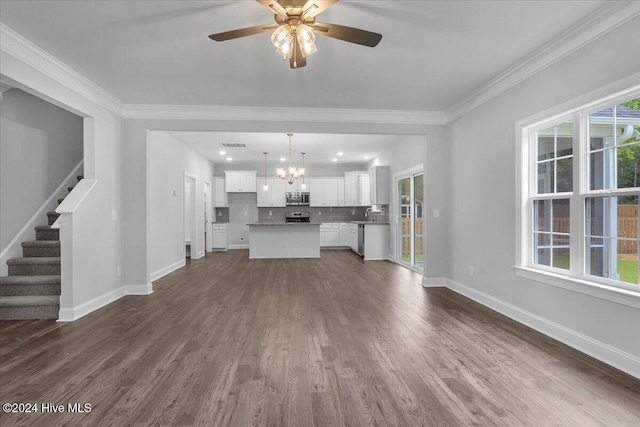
(597, 290)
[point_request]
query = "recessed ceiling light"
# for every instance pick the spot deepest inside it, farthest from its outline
(366, 157)
(340, 153)
(229, 159)
(334, 160)
(282, 159)
(222, 153)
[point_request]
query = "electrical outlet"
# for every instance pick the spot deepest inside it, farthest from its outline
(436, 213)
(119, 270)
(270, 213)
(319, 213)
(470, 271)
(220, 213)
(114, 215)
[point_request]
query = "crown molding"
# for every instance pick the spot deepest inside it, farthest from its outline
(17, 46)
(283, 114)
(607, 18)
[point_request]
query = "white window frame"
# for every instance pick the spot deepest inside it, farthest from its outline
(577, 111)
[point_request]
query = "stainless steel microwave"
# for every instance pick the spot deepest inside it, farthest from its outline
(297, 198)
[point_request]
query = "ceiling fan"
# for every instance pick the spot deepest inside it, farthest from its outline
(295, 29)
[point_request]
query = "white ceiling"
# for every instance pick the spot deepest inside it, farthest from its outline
(432, 55)
(318, 148)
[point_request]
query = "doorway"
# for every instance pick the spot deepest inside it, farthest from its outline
(410, 245)
(208, 214)
(190, 217)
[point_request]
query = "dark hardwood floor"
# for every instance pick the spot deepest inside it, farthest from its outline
(229, 341)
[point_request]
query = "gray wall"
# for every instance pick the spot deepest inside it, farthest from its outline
(40, 144)
(169, 159)
(481, 207)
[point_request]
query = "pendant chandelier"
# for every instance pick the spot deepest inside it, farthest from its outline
(292, 173)
(265, 187)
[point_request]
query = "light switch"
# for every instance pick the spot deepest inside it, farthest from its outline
(436, 213)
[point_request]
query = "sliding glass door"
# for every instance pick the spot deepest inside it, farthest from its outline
(410, 224)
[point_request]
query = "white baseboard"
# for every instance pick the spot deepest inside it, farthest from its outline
(243, 246)
(74, 313)
(139, 289)
(199, 255)
(612, 356)
(168, 269)
(434, 282)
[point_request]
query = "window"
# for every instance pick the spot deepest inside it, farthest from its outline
(580, 194)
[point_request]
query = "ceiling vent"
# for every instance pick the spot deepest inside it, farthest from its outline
(232, 145)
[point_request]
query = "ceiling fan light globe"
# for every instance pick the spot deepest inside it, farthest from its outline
(281, 36)
(306, 39)
(286, 50)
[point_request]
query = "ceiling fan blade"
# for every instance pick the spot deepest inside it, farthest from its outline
(314, 7)
(297, 60)
(348, 34)
(274, 7)
(243, 32)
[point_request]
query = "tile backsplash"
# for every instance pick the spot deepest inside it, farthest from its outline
(333, 214)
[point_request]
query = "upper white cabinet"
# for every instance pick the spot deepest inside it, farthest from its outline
(356, 188)
(363, 190)
(326, 192)
(274, 196)
(240, 181)
(379, 185)
(219, 193)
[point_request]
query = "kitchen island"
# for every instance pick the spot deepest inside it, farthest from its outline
(284, 240)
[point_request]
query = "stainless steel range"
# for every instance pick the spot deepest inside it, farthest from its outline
(297, 217)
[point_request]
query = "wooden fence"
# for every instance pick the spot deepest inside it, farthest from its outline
(406, 231)
(627, 227)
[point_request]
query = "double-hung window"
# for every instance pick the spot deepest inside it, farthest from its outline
(579, 198)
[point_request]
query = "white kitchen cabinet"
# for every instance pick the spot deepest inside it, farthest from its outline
(220, 237)
(274, 196)
(379, 185)
(219, 193)
(364, 198)
(356, 188)
(329, 235)
(340, 192)
(353, 237)
(325, 192)
(240, 181)
(345, 234)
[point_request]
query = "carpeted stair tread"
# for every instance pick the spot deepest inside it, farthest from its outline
(29, 300)
(41, 243)
(30, 285)
(52, 216)
(44, 228)
(34, 260)
(24, 307)
(41, 248)
(31, 280)
(60, 200)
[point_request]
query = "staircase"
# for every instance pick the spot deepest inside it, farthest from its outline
(32, 288)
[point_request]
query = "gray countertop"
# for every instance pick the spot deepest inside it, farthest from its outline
(284, 223)
(368, 222)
